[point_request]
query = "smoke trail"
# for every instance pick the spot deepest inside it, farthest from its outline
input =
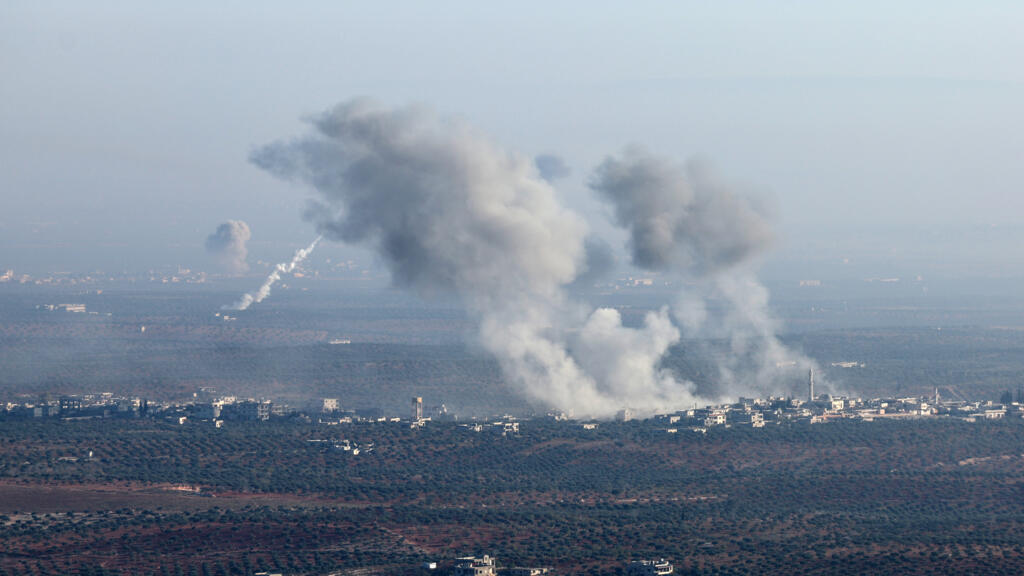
(682, 221)
(258, 296)
(448, 211)
(228, 244)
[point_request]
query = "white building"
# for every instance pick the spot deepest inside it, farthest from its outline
(716, 418)
(473, 566)
(650, 567)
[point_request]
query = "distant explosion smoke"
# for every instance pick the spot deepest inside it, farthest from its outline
(258, 296)
(448, 211)
(228, 244)
(682, 221)
(551, 167)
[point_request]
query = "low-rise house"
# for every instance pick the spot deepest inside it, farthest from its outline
(473, 566)
(659, 567)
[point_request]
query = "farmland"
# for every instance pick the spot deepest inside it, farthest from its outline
(849, 497)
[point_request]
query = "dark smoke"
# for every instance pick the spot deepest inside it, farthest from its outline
(678, 217)
(449, 211)
(597, 266)
(551, 167)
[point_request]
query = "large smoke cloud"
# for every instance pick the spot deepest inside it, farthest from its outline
(447, 209)
(228, 244)
(450, 211)
(681, 220)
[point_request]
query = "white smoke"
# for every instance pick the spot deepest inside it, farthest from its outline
(449, 211)
(684, 222)
(732, 310)
(258, 296)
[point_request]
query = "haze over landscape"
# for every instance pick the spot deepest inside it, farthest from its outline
(731, 284)
(853, 122)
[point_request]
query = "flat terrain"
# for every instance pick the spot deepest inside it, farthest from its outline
(930, 496)
(911, 497)
(168, 346)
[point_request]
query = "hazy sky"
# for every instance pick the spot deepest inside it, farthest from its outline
(125, 127)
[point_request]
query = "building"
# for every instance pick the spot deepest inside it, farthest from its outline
(473, 566)
(246, 411)
(206, 411)
(417, 408)
(45, 410)
(650, 567)
(716, 418)
(70, 404)
(330, 405)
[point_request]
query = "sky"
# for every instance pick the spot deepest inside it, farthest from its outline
(869, 129)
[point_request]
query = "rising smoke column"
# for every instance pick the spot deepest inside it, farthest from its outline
(258, 296)
(681, 220)
(228, 244)
(449, 211)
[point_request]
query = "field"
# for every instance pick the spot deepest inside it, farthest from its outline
(399, 348)
(910, 497)
(916, 497)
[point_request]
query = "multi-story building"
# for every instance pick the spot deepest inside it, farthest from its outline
(70, 404)
(246, 411)
(206, 411)
(716, 418)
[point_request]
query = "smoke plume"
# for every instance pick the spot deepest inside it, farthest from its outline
(258, 296)
(682, 221)
(228, 244)
(449, 211)
(551, 167)
(679, 218)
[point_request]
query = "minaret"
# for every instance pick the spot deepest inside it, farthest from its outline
(810, 385)
(417, 408)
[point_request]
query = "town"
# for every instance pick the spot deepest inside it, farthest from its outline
(233, 485)
(208, 406)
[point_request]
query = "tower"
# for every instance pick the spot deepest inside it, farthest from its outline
(810, 385)
(417, 408)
